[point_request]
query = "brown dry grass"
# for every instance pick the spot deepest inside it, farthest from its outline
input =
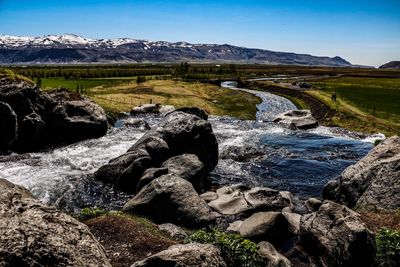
(128, 239)
(377, 220)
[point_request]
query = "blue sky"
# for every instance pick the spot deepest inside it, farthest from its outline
(363, 32)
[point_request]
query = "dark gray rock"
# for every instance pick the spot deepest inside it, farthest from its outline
(34, 234)
(188, 167)
(187, 255)
(8, 126)
(371, 183)
(171, 199)
(337, 236)
(149, 175)
(180, 133)
(261, 226)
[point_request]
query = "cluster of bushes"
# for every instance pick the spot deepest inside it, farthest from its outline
(236, 250)
(388, 248)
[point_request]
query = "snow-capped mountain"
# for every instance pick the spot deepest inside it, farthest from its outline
(71, 48)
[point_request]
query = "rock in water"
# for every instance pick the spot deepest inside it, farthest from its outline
(50, 118)
(180, 133)
(373, 182)
(8, 126)
(146, 108)
(337, 236)
(187, 255)
(171, 199)
(34, 234)
(297, 119)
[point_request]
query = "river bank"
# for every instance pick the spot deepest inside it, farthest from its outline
(329, 114)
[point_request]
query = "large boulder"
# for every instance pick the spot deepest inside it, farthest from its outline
(180, 133)
(337, 236)
(34, 234)
(187, 255)
(171, 199)
(50, 118)
(74, 118)
(8, 125)
(232, 200)
(373, 182)
(297, 119)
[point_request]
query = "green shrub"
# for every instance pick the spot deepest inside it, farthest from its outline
(388, 248)
(236, 250)
(89, 213)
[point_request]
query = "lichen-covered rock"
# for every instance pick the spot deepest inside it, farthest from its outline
(34, 234)
(187, 255)
(337, 236)
(172, 199)
(373, 182)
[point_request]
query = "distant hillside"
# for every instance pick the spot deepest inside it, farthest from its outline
(71, 48)
(391, 65)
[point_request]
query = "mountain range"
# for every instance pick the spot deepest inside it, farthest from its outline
(74, 49)
(391, 65)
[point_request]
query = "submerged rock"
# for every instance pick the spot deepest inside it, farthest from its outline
(171, 199)
(373, 182)
(180, 133)
(187, 255)
(337, 236)
(34, 234)
(137, 123)
(297, 119)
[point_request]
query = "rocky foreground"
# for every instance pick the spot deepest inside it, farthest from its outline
(167, 171)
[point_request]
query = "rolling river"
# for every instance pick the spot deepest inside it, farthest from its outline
(300, 161)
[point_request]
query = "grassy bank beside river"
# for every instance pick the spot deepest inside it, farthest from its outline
(339, 113)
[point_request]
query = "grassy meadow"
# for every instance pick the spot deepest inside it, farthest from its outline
(121, 94)
(376, 96)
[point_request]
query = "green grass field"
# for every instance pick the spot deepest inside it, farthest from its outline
(367, 94)
(121, 94)
(51, 83)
